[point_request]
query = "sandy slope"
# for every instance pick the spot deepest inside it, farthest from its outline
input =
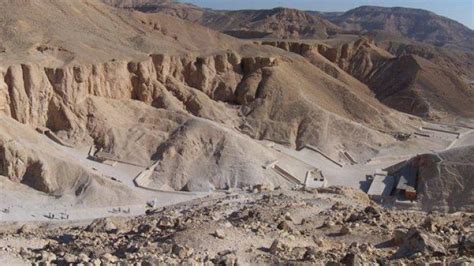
(58, 32)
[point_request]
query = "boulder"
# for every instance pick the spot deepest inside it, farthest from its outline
(102, 225)
(226, 257)
(182, 251)
(418, 241)
(47, 257)
(372, 212)
(429, 224)
(345, 230)
(399, 235)
(285, 226)
(352, 259)
(310, 254)
(109, 258)
(83, 258)
(278, 246)
(70, 259)
(219, 234)
(263, 188)
(144, 228)
(166, 222)
(27, 229)
(466, 244)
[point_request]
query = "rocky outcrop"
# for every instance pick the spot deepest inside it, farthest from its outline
(407, 83)
(418, 241)
(332, 61)
(282, 23)
(422, 88)
(358, 58)
(444, 180)
(458, 61)
(203, 230)
(48, 97)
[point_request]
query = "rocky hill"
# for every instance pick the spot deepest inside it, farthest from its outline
(275, 23)
(415, 24)
(247, 24)
(412, 24)
(457, 60)
(407, 82)
(136, 3)
(181, 10)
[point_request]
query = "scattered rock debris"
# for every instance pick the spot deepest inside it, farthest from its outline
(272, 227)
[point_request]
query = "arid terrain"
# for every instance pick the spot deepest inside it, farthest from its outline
(159, 132)
(262, 227)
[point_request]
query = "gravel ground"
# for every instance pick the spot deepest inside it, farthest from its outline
(332, 225)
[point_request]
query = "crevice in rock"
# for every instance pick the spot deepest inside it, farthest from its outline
(8, 79)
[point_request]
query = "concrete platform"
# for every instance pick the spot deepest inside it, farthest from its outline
(382, 186)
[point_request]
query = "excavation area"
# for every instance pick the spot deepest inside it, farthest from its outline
(391, 178)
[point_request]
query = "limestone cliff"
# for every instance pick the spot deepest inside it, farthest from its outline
(407, 83)
(215, 87)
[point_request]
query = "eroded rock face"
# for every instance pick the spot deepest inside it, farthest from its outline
(48, 97)
(41, 96)
(446, 179)
(408, 82)
(29, 93)
(21, 164)
(358, 58)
